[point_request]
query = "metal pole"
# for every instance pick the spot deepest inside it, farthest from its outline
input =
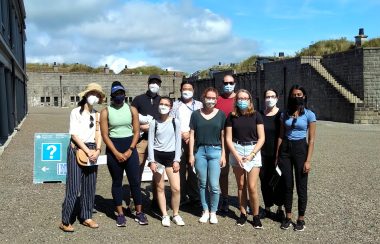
(60, 89)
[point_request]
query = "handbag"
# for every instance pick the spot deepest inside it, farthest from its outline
(81, 156)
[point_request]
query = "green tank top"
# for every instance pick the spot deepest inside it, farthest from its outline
(120, 121)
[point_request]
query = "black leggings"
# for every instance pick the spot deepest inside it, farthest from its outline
(293, 154)
(131, 167)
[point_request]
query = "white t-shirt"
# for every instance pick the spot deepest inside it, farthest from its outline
(184, 112)
(80, 125)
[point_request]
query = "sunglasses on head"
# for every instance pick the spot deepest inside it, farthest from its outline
(91, 121)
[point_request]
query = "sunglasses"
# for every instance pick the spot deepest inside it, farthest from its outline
(229, 83)
(91, 121)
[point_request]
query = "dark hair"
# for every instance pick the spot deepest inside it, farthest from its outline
(81, 104)
(300, 108)
(184, 82)
(169, 99)
(270, 89)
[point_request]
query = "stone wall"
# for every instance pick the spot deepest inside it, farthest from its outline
(44, 89)
(371, 76)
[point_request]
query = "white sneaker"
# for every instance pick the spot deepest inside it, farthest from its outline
(165, 221)
(213, 219)
(205, 217)
(178, 220)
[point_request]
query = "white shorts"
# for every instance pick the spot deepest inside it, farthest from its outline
(245, 151)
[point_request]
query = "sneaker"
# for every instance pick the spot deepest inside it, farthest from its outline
(165, 221)
(205, 217)
(141, 218)
(256, 222)
(178, 220)
(286, 223)
(241, 221)
(213, 219)
(120, 220)
(300, 226)
(224, 205)
(280, 215)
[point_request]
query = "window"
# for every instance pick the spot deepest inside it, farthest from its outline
(72, 99)
(77, 98)
(42, 99)
(48, 99)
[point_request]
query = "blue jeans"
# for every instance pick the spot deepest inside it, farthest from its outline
(207, 166)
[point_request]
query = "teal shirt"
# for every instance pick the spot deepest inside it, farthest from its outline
(120, 121)
(207, 132)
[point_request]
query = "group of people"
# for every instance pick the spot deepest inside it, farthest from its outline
(193, 143)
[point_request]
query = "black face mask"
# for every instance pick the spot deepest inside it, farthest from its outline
(296, 101)
(118, 99)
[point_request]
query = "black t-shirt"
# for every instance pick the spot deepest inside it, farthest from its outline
(244, 128)
(147, 103)
(272, 132)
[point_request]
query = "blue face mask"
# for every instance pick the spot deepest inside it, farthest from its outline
(242, 104)
(228, 88)
(118, 99)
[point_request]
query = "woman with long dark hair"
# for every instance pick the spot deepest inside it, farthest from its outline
(295, 149)
(81, 180)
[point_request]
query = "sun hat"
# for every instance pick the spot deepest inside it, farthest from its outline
(93, 87)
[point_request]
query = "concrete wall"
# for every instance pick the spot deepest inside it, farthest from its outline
(47, 85)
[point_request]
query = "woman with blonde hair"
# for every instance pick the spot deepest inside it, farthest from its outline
(207, 141)
(245, 137)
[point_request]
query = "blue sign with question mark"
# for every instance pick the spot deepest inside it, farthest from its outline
(51, 151)
(50, 157)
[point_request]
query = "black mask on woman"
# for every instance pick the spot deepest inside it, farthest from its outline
(118, 99)
(296, 101)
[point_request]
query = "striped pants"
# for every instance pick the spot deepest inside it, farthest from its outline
(80, 181)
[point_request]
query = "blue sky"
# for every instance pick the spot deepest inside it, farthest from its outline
(186, 35)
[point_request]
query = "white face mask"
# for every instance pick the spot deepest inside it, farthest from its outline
(210, 103)
(270, 102)
(154, 88)
(187, 94)
(91, 100)
(163, 109)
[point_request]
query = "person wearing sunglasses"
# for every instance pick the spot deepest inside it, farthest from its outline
(120, 130)
(81, 180)
(245, 137)
(295, 149)
(225, 103)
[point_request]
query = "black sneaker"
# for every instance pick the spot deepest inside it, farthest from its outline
(141, 218)
(241, 221)
(300, 226)
(280, 215)
(286, 223)
(120, 220)
(256, 222)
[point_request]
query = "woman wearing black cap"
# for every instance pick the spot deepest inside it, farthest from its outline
(119, 125)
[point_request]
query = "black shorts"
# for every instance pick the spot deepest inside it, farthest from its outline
(164, 158)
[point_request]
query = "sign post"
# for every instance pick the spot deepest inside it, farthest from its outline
(50, 157)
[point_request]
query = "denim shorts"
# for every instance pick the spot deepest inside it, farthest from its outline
(245, 150)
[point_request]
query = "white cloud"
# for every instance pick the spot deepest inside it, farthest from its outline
(117, 64)
(176, 35)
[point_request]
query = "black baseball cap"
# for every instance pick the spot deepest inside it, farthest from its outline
(154, 78)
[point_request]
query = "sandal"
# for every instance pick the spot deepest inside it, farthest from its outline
(90, 223)
(66, 228)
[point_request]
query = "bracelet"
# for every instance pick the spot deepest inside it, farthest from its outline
(131, 148)
(100, 150)
(254, 154)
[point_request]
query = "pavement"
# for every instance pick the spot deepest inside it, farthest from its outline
(343, 205)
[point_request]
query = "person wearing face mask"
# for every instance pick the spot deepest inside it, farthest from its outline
(182, 110)
(225, 103)
(147, 104)
(120, 130)
(245, 136)
(164, 150)
(271, 118)
(81, 180)
(294, 151)
(207, 141)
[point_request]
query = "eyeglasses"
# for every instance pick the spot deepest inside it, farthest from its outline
(229, 83)
(274, 96)
(91, 121)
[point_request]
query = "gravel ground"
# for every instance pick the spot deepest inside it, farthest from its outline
(344, 196)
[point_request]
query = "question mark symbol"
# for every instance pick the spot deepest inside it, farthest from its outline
(53, 150)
